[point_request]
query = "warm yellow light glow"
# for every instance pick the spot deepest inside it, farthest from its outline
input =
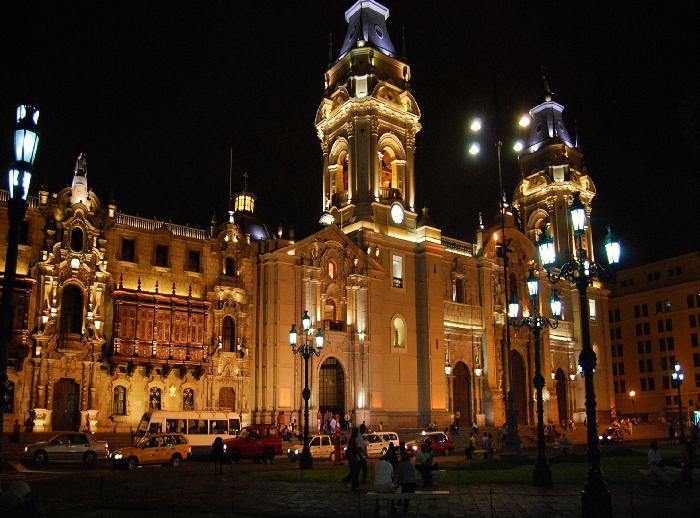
(632, 393)
(524, 121)
(475, 125)
(495, 236)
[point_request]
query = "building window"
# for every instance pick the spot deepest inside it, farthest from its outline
(617, 315)
(188, 399)
(397, 271)
(332, 269)
(667, 306)
(591, 309)
(329, 310)
(613, 350)
(658, 307)
(76, 239)
(72, 310)
(623, 389)
(670, 344)
(646, 328)
(697, 380)
(398, 332)
(229, 267)
(669, 324)
(645, 310)
(643, 383)
(619, 350)
(641, 365)
(650, 365)
(662, 344)
(615, 370)
(647, 346)
(119, 401)
(696, 359)
(616, 387)
(618, 333)
(621, 368)
(128, 250)
(228, 335)
(650, 383)
(8, 403)
(694, 339)
(154, 398)
(665, 381)
(162, 256)
(459, 290)
(193, 260)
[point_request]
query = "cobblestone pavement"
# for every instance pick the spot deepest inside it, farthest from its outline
(194, 490)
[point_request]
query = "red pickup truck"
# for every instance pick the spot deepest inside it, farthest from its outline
(257, 442)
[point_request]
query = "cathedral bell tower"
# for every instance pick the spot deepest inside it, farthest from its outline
(553, 169)
(367, 123)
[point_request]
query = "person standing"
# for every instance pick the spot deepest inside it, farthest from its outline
(351, 453)
(363, 428)
(471, 446)
(654, 461)
(333, 425)
(424, 464)
(405, 477)
(383, 477)
(362, 455)
(346, 424)
(217, 455)
(319, 418)
(390, 455)
(337, 457)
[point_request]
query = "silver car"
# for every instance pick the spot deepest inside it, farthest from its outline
(68, 446)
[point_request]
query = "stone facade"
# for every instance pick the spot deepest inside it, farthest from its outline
(123, 313)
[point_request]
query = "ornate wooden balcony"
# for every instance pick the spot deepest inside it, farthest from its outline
(389, 193)
(20, 347)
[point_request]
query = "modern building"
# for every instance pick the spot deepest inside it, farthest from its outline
(655, 322)
(118, 314)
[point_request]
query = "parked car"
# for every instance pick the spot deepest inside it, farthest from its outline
(68, 446)
(378, 442)
(612, 435)
(260, 441)
(321, 447)
(160, 448)
(439, 443)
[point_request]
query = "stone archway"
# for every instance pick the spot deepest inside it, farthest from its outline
(519, 385)
(331, 386)
(462, 394)
(560, 380)
(66, 397)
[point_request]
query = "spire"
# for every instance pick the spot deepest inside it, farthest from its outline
(79, 186)
(547, 121)
(367, 26)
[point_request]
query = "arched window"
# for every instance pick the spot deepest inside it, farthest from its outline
(154, 398)
(119, 401)
(72, 310)
(8, 403)
(391, 179)
(341, 175)
(332, 269)
(228, 335)
(398, 332)
(76, 239)
(230, 267)
(188, 399)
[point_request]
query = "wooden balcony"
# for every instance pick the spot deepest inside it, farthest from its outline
(390, 194)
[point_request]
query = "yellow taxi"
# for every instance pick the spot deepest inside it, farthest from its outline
(160, 448)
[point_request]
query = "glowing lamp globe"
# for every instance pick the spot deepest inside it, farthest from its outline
(293, 335)
(306, 321)
(513, 307)
(533, 285)
(26, 143)
(474, 149)
(578, 214)
(319, 339)
(475, 125)
(613, 249)
(545, 247)
(518, 146)
(555, 303)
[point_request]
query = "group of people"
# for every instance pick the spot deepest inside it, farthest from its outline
(486, 444)
(328, 421)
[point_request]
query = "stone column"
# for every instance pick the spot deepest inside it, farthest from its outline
(410, 179)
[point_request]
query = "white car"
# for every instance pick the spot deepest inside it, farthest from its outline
(378, 442)
(68, 446)
(321, 447)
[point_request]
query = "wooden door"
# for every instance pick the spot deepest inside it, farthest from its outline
(227, 398)
(65, 405)
(462, 394)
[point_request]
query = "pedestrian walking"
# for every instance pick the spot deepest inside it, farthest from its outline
(217, 455)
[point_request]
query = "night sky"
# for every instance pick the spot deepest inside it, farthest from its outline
(156, 93)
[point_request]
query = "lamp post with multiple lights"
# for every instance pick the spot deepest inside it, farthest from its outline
(312, 345)
(678, 376)
(542, 475)
(20, 176)
(513, 444)
(581, 271)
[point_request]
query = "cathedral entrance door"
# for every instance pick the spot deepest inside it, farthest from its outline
(331, 392)
(519, 386)
(227, 398)
(562, 402)
(65, 405)
(462, 394)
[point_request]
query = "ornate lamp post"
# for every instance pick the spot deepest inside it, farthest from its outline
(20, 175)
(580, 271)
(513, 444)
(312, 345)
(542, 475)
(678, 376)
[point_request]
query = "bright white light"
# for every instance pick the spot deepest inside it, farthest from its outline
(524, 121)
(74, 263)
(475, 125)
(518, 146)
(474, 148)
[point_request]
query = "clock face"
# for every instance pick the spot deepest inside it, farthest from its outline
(397, 213)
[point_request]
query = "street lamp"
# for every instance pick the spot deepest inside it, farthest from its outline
(312, 345)
(20, 175)
(580, 271)
(678, 376)
(542, 475)
(632, 396)
(513, 443)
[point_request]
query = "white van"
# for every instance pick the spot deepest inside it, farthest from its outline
(378, 442)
